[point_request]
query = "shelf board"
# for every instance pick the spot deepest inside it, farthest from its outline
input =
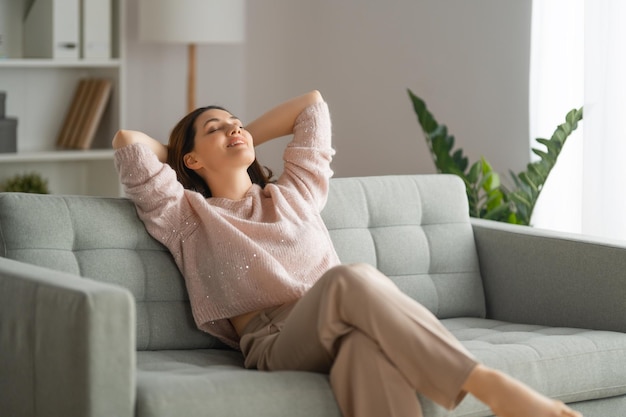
(58, 63)
(57, 156)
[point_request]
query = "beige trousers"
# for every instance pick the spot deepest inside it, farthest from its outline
(379, 345)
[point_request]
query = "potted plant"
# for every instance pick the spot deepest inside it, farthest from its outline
(26, 183)
(488, 198)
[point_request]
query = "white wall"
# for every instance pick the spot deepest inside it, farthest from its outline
(468, 59)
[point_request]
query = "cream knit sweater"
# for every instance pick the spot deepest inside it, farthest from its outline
(239, 256)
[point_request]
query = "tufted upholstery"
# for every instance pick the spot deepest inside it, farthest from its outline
(425, 243)
(416, 231)
(103, 239)
(413, 228)
(566, 363)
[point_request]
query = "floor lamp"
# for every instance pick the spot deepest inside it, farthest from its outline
(192, 22)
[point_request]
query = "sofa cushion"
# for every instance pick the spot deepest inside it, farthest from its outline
(417, 231)
(573, 365)
(198, 383)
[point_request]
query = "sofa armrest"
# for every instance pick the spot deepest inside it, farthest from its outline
(67, 343)
(551, 278)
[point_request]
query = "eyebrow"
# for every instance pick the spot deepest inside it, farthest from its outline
(215, 119)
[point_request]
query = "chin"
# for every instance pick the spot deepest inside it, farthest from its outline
(251, 158)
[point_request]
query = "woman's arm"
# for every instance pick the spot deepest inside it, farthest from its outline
(127, 137)
(280, 120)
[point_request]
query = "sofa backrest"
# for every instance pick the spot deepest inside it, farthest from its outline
(415, 229)
(103, 239)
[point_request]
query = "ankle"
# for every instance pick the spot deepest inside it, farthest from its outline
(483, 382)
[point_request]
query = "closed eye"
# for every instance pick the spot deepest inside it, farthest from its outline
(216, 123)
(221, 126)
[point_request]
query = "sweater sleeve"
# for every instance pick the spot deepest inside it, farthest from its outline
(308, 156)
(161, 201)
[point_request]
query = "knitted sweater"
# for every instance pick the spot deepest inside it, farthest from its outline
(243, 255)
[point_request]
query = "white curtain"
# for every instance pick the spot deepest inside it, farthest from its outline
(556, 87)
(604, 169)
(578, 56)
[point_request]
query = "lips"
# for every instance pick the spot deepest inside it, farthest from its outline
(235, 142)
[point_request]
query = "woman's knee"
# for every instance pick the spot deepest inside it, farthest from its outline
(356, 274)
(350, 271)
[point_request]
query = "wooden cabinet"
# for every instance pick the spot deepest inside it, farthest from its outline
(39, 94)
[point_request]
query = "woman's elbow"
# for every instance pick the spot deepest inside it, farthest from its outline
(316, 96)
(122, 138)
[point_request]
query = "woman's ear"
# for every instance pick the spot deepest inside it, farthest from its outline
(190, 161)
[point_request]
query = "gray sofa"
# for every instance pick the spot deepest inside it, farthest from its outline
(546, 307)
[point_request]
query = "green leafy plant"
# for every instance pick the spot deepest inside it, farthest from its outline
(488, 198)
(26, 183)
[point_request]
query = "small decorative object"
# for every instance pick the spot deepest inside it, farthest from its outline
(25, 183)
(8, 128)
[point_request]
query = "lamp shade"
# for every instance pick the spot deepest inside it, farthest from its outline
(192, 21)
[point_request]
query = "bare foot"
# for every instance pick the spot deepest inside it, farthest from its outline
(508, 397)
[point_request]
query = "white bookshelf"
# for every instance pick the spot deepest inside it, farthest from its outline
(39, 93)
(57, 156)
(56, 63)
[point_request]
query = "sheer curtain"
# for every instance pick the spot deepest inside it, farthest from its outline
(578, 57)
(556, 87)
(604, 169)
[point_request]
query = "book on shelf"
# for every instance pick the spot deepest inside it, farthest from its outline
(84, 114)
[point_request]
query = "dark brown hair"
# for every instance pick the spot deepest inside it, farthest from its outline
(182, 141)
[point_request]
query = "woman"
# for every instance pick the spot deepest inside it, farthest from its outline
(263, 276)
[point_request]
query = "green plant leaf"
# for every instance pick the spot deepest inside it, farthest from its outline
(474, 172)
(494, 199)
(551, 146)
(545, 156)
(439, 132)
(573, 117)
(528, 181)
(459, 160)
(492, 179)
(425, 118)
(536, 172)
(521, 199)
(559, 135)
(532, 180)
(497, 213)
(439, 142)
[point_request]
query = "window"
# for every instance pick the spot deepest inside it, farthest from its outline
(578, 56)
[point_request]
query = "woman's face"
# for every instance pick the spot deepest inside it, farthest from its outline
(221, 143)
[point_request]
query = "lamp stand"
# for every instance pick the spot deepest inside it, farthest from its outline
(191, 77)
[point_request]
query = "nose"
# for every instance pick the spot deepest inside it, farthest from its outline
(234, 128)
